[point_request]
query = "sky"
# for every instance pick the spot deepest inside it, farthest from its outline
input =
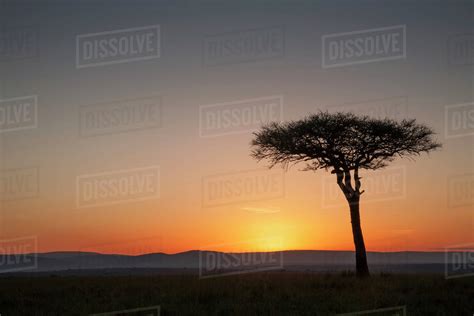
(125, 127)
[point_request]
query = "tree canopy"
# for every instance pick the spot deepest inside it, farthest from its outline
(341, 141)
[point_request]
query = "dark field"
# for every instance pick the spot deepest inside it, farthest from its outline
(273, 293)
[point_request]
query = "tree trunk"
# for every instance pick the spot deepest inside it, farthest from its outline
(362, 269)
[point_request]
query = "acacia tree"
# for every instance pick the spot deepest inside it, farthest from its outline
(343, 144)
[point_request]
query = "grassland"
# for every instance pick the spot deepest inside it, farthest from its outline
(272, 293)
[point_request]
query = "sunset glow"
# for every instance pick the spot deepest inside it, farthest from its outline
(159, 147)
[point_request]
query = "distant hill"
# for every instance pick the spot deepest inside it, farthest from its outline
(290, 260)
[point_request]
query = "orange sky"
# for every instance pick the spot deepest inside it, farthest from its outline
(185, 175)
(301, 218)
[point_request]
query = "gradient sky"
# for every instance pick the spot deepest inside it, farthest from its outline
(297, 216)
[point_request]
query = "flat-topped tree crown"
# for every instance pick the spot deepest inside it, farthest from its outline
(343, 143)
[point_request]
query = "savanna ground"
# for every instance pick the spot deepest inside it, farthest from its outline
(271, 293)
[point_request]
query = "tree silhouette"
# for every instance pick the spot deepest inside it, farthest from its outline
(343, 143)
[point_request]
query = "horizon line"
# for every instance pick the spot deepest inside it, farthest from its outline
(442, 250)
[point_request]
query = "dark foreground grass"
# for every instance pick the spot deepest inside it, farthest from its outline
(275, 293)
